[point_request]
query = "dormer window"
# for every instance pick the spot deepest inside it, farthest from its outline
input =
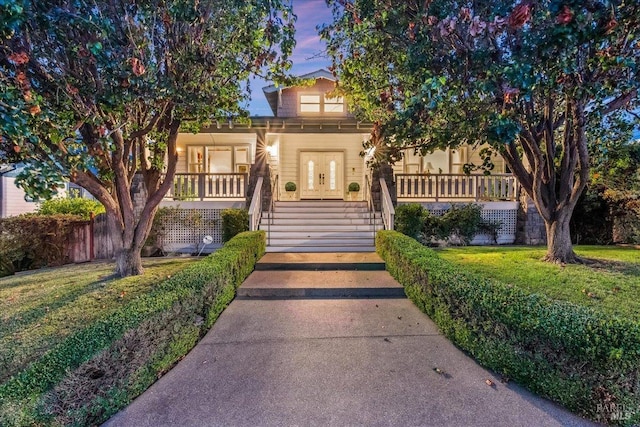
(309, 103)
(334, 105)
(321, 104)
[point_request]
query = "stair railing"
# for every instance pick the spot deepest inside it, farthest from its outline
(255, 208)
(368, 197)
(275, 196)
(388, 211)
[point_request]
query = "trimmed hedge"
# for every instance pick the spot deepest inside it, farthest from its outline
(584, 359)
(97, 371)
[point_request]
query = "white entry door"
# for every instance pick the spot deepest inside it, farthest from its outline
(321, 175)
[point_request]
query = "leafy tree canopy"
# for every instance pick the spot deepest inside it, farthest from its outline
(97, 91)
(530, 78)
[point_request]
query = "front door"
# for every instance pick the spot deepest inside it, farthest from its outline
(321, 175)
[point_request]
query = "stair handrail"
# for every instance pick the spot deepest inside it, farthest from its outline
(368, 198)
(255, 208)
(388, 211)
(275, 195)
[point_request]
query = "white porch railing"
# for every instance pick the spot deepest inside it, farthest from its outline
(386, 205)
(456, 186)
(201, 186)
(255, 208)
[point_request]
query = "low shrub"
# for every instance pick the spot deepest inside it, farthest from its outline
(462, 223)
(71, 206)
(409, 219)
(97, 371)
(32, 241)
(584, 359)
(234, 221)
(459, 225)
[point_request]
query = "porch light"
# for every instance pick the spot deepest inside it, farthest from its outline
(368, 155)
(272, 149)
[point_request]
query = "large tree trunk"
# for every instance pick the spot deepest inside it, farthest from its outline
(129, 227)
(559, 246)
(129, 262)
(553, 169)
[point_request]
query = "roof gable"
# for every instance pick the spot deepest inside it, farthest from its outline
(272, 92)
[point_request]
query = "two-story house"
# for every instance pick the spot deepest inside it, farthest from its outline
(314, 144)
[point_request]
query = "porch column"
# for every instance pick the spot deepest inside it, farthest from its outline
(260, 168)
(383, 171)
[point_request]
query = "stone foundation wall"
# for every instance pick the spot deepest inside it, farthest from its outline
(530, 229)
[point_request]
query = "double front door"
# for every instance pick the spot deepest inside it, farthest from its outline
(322, 175)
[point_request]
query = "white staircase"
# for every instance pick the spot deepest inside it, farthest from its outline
(321, 226)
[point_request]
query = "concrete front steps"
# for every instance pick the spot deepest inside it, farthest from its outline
(320, 276)
(321, 226)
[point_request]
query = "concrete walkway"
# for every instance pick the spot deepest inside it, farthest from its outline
(286, 358)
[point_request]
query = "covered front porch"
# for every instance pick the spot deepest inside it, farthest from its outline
(232, 165)
(425, 187)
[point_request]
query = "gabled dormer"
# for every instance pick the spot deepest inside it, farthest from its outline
(307, 101)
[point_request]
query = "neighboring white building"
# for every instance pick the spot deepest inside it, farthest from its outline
(12, 198)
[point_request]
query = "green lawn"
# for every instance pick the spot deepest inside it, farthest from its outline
(611, 282)
(38, 309)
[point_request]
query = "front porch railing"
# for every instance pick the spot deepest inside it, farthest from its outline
(456, 186)
(201, 186)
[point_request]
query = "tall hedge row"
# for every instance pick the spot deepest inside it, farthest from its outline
(97, 371)
(584, 359)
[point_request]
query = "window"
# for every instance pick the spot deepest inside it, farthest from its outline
(309, 103)
(218, 159)
(311, 176)
(332, 175)
(320, 104)
(334, 105)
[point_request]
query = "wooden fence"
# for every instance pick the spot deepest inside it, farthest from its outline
(80, 242)
(102, 245)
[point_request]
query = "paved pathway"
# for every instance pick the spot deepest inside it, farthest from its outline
(325, 355)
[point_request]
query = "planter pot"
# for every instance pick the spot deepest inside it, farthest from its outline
(353, 195)
(290, 195)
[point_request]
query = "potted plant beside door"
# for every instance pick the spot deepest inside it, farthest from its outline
(354, 189)
(290, 188)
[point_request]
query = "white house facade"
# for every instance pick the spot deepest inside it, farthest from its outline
(314, 144)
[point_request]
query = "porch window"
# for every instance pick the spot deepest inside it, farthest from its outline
(195, 157)
(218, 159)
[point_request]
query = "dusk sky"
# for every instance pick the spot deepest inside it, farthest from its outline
(308, 54)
